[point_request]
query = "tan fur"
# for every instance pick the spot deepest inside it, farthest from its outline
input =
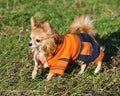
(45, 34)
(84, 24)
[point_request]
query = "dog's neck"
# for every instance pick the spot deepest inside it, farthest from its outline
(58, 41)
(51, 53)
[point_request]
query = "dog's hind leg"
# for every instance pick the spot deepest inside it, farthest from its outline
(98, 67)
(83, 66)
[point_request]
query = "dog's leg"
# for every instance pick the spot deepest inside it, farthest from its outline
(49, 77)
(98, 67)
(83, 66)
(34, 72)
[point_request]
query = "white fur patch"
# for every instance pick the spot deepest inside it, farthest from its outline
(46, 65)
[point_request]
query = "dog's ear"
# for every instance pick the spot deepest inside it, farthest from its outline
(34, 23)
(47, 27)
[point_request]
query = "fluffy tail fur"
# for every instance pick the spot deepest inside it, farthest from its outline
(84, 24)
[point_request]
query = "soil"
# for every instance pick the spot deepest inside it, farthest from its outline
(114, 61)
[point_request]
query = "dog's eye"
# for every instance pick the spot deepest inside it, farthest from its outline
(30, 38)
(37, 40)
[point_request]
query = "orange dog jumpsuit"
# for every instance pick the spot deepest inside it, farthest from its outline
(71, 47)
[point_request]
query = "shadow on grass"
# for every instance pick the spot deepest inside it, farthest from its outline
(111, 44)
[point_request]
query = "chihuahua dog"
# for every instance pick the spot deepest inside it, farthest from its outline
(55, 51)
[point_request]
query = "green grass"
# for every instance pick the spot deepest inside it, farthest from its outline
(16, 62)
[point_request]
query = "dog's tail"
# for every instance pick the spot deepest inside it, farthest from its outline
(84, 24)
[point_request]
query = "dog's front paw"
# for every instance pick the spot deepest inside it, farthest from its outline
(34, 73)
(47, 80)
(49, 77)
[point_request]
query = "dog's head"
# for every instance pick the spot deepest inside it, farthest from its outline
(42, 36)
(39, 33)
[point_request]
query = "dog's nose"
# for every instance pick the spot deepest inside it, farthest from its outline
(30, 44)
